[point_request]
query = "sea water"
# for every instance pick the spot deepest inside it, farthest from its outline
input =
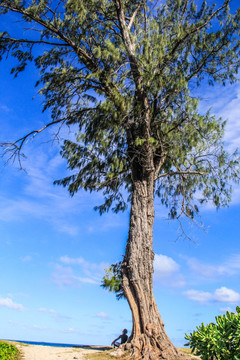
(48, 343)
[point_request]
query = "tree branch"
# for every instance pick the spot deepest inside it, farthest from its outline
(199, 27)
(86, 58)
(32, 41)
(106, 183)
(133, 17)
(182, 173)
(130, 47)
(15, 147)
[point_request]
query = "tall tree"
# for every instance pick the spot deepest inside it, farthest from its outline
(124, 71)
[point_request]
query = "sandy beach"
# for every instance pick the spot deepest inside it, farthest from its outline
(40, 352)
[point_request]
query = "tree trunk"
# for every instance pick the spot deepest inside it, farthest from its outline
(149, 339)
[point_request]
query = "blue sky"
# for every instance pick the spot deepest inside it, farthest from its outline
(54, 248)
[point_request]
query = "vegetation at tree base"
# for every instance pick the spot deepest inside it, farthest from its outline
(220, 340)
(126, 73)
(8, 351)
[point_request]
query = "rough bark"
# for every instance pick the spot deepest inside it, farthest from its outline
(149, 339)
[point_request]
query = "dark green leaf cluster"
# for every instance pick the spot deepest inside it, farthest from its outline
(112, 281)
(220, 340)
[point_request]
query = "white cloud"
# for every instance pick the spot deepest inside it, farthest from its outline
(164, 266)
(222, 294)
(226, 295)
(8, 303)
(167, 272)
(197, 295)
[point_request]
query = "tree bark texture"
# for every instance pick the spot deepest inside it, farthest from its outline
(149, 339)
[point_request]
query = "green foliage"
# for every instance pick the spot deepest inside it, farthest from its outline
(112, 281)
(8, 351)
(220, 340)
(95, 70)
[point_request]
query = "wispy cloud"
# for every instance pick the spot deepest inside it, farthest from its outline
(38, 327)
(84, 272)
(102, 315)
(223, 294)
(26, 258)
(59, 318)
(71, 331)
(54, 314)
(4, 108)
(25, 326)
(8, 303)
(38, 197)
(50, 311)
(230, 266)
(63, 276)
(225, 309)
(225, 103)
(231, 112)
(85, 265)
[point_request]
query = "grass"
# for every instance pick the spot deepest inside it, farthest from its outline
(105, 355)
(8, 351)
(187, 351)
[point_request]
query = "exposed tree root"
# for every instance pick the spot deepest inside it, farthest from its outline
(150, 354)
(146, 348)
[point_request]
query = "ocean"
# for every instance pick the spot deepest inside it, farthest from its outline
(48, 343)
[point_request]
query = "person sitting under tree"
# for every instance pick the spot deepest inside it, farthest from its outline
(123, 338)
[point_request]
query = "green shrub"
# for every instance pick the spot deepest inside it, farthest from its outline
(220, 340)
(8, 351)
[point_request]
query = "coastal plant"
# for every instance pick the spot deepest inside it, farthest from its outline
(219, 340)
(124, 74)
(8, 351)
